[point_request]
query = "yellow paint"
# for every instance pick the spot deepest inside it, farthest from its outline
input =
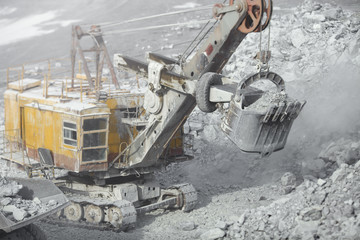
(41, 124)
(43, 129)
(21, 86)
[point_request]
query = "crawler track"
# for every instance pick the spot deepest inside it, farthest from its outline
(119, 215)
(101, 214)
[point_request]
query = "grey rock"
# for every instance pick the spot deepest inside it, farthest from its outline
(262, 198)
(295, 57)
(318, 198)
(187, 226)
(357, 164)
(317, 6)
(287, 189)
(338, 175)
(312, 213)
(314, 167)
(222, 225)
(298, 37)
(242, 219)
(5, 201)
(349, 202)
(52, 202)
(321, 182)
(10, 189)
(32, 212)
(288, 179)
(261, 226)
(304, 230)
(9, 208)
(19, 214)
(332, 14)
(36, 200)
(325, 211)
(315, 18)
(213, 234)
(198, 233)
(348, 210)
(196, 126)
(282, 225)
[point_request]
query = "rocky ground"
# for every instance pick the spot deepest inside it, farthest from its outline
(310, 189)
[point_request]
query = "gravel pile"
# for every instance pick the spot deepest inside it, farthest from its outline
(326, 209)
(15, 208)
(269, 98)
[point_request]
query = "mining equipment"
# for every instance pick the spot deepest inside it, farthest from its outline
(111, 140)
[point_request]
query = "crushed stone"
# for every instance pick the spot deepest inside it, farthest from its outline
(17, 209)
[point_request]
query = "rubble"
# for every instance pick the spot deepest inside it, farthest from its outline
(212, 234)
(268, 99)
(14, 207)
(301, 215)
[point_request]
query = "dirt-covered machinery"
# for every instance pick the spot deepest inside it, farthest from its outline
(111, 140)
(39, 197)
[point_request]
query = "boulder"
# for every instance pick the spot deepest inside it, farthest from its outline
(19, 214)
(213, 234)
(187, 226)
(298, 37)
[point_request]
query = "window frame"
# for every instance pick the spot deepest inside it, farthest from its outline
(69, 129)
(83, 133)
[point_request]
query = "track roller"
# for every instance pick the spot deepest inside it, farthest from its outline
(93, 214)
(74, 212)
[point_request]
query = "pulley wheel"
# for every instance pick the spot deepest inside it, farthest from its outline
(268, 7)
(253, 17)
(74, 212)
(94, 214)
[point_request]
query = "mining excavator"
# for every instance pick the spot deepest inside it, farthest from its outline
(111, 140)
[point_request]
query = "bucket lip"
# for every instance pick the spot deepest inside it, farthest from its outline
(245, 110)
(254, 112)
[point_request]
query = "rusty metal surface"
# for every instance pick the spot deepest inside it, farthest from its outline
(268, 9)
(101, 55)
(260, 130)
(224, 39)
(255, 10)
(251, 134)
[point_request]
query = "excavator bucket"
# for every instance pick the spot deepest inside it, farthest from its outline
(45, 191)
(259, 121)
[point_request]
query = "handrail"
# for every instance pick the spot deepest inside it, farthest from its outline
(55, 70)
